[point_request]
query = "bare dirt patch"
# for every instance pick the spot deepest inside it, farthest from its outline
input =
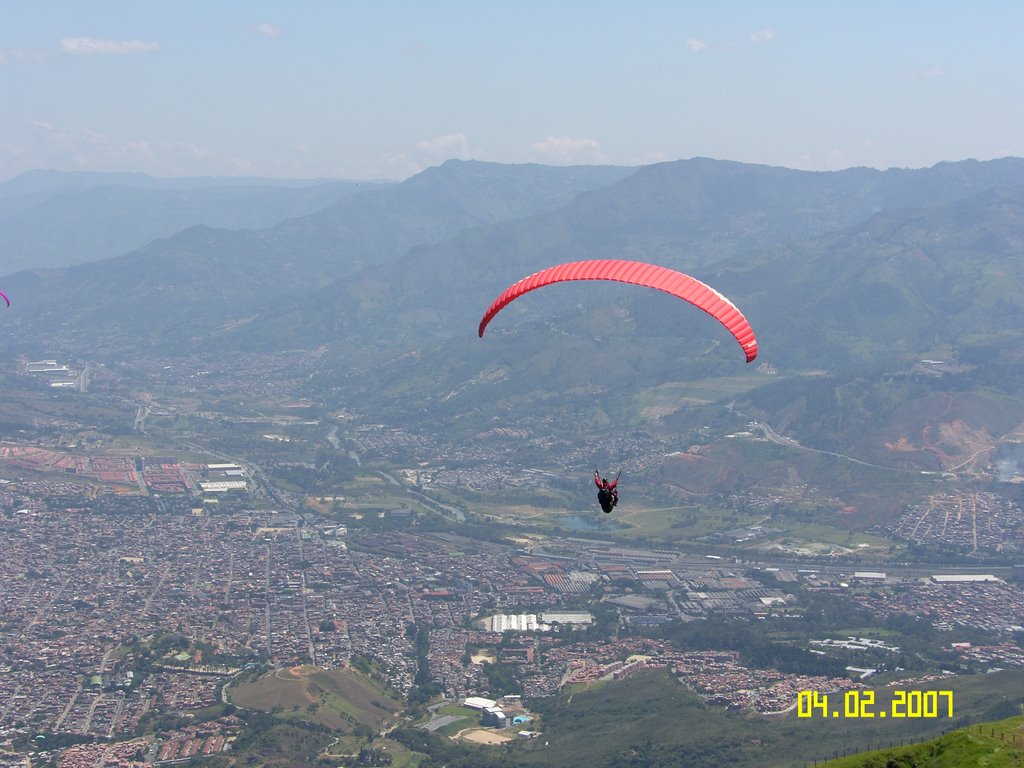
(296, 673)
(483, 736)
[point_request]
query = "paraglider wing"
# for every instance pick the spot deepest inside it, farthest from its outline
(4, 297)
(636, 273)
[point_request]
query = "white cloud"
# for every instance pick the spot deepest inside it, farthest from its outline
(396, 165)
(428, 152)
(268, 30)
(91, 150)
(696, 45)
(762, 35)
(838, 159)
(19, 54)
(186, 149)
(444, 147)
(931, 72)
(565, 150)
(13, 150)
(241, 167)
(649, 158)
(835, 159)
(93, 45)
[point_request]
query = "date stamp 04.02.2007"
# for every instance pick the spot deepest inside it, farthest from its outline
(857, 704)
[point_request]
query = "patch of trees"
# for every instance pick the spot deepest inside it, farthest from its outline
(606, 623)
(501, 679)
(826, 612)
(28, 741)
(441, 751)
(265, 735)
(1004, 709)
(373, 756)
(424, 688)
(754, 648)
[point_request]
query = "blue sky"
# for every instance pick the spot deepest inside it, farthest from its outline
(384, 89)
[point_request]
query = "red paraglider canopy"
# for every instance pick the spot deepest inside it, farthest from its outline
(4, 297)
(636, 273)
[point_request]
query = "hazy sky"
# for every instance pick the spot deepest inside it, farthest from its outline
(378, 89)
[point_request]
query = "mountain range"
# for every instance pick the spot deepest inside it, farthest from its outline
(850, 279)
(57, 218)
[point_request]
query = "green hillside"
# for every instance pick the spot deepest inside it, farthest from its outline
(988, 745)
(341, 699)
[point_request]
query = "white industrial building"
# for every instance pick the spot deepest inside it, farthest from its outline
(567, 617)
(479, 702)
(227, 469)
(519, 622)
(223, 485)
(45, 366)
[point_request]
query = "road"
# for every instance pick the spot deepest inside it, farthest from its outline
(907, 569)
(773, 436)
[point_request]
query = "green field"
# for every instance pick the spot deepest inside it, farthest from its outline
(679, 523)
(459, 725)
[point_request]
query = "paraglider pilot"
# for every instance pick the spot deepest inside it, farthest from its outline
(607, 493)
